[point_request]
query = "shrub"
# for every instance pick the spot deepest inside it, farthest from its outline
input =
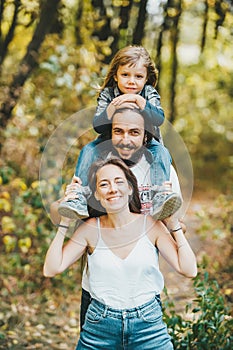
(210, 326)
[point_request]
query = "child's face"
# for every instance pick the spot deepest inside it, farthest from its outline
(131, 79)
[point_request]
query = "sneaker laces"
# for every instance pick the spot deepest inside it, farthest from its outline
(159, 197)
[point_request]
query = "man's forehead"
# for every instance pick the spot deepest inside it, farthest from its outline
(129, 120)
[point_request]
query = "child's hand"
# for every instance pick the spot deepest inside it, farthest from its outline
(130, 101)
(114, 105)
(137, 100)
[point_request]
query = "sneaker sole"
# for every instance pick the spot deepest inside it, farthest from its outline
(168, 209)
(71, 214)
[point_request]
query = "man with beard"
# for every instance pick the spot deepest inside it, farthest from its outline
(129, 138)
(130, 133)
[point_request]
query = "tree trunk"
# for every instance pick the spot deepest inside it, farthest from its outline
(204, 27)
(103, 31)
(174, 41)
(139, 29)
(78, 18)
(30, 60)
(173, 11)
(125, 15)
(4, 43)
(160, 42)
(124, 24)
(220, 10)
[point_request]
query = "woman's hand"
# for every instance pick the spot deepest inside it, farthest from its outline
(71, 191)
(132, 99)
(175, 248)
(65, 221)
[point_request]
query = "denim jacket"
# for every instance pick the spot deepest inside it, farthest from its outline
(153, 110)
(160, 160)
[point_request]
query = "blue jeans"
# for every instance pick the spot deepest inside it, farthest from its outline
(160, 159)
(88, 155)
(139, 328)
(160, 164)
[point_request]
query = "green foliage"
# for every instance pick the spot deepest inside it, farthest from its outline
(6, 174)
(216, 230)
(70, 68)
(207, 324)
(25, 234)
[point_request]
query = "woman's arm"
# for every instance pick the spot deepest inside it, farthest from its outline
(175, 248)
(54, 215)
(59, 257)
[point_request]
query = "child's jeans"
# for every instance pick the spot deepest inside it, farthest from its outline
(160, 160)
(139, 328)
(88, 155)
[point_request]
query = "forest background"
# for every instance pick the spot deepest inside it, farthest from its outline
(54, 55)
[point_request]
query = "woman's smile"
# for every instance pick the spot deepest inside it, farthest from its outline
(115, 198)
(112, 188)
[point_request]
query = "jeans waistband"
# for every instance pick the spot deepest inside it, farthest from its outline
(123, 313)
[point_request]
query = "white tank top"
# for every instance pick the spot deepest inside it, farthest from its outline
(124, 283)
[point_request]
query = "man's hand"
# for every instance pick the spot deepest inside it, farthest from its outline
(167, 186)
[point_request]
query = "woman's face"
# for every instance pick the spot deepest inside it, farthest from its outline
(112, 188)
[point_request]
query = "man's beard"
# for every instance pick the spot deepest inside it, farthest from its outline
(135, 157)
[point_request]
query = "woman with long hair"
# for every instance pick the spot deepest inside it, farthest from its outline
(122, 248)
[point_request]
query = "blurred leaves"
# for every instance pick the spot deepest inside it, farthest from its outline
(8, 224)
(69, 74)
(42, 313)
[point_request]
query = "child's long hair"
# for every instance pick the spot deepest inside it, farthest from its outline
(131, 55)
